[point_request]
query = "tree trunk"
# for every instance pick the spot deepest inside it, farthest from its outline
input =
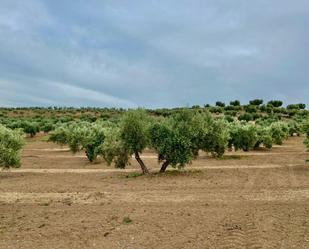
(141, 163)
(164, 166)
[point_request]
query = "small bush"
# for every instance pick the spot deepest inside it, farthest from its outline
(279, 132)
(243, 136)
(256, 102)
(11, 143)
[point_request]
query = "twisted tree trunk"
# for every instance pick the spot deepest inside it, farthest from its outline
(141, 163)
(164, 166)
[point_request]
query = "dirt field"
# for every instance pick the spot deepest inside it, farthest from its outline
(252, 200)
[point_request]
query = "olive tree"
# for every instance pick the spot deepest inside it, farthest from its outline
(116, 143)
(59, 135)
(31, 128)
(279, 132)
(256, 102)
(11, 143)
(264, 137)
(235, 103)
(216, 137)
(177, 139)
(133, 133)
(113, 149)
(275, 103)
(81, 136)
(243, 136)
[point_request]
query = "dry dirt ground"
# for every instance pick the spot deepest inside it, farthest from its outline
(252, 200)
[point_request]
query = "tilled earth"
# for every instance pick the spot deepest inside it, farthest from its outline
(258, 199)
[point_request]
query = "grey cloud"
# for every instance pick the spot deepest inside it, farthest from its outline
(152, 53)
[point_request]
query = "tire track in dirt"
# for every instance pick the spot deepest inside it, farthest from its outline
(287, 228)
(243, 233)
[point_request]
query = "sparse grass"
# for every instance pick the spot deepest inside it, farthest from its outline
(127, 220)
(175, 172)
(41, 138)
(167, 173)
(133, 175)
(231, 157)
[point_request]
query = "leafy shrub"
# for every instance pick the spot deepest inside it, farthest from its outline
(275, 103)
(130, 137)
(245, 117)
(306, 131)
(229, 118)
(235, 103)
(220, 104)
(47, 127)
(30, 128)
(11, 142)
(173, 147)
(256, 102)
(296, 106)
(264, 137)
(133, 132)
(279, 132)
(60, 135)
(215, 109)
(243, 136)
(113, 149)
(81, 136)
(250, 108)
(294, 127)
(216, 138)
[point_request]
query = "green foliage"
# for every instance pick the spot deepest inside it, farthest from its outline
(81, 136)
(306, 131)
(294, 127)
(130, 138)
(11, 143)
(229, 118)
(47, 127)
(30, 128)
(256, 102)
(215, 109)
(127, 220)
(216, 138)
(275, 103)
(243, 136)
(220, 104)
(264, 137)
(235, 103)
(172, 146)
(60, 135)
(296, 106)
(279, 132)
(245, 117)
(178, 139)
(114, 150)
(251, 108)
(133, 130)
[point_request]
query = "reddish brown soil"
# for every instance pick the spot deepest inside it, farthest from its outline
(258, 199)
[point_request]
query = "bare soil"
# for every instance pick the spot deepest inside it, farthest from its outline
(258, 199)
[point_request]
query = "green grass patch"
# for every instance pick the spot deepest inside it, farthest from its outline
(127, 220)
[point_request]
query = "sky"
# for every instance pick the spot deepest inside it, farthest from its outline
(154, 53)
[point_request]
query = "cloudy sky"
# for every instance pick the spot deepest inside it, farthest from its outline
(129, 53)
